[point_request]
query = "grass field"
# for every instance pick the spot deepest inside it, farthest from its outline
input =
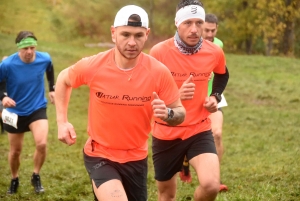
(261, 135)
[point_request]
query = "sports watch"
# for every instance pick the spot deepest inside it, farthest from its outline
(218, 96)
(170, 114)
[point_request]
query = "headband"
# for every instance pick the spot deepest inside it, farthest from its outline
(26, 42)
(189, 12)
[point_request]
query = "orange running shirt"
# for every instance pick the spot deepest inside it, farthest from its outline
(209, 58)
(120, 111)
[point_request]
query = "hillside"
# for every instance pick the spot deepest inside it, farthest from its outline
(78, 22)
(68, 21)
(33, 15)
(261, 123)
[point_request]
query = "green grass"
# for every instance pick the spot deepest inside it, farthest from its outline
(261, 135)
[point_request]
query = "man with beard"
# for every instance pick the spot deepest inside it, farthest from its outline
(191, 60)
(127, 87)
(210, 29)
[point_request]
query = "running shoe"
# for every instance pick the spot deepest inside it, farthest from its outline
(223, 188)
(185, 174)
(13, 188)
(36, 183)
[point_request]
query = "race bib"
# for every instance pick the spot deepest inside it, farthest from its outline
(10, 118)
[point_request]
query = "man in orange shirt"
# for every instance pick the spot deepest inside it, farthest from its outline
(191, 60)
(127, 88)
(209, 33)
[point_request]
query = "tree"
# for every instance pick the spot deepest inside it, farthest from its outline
(253, 24)
(270, 24)
(291, 14)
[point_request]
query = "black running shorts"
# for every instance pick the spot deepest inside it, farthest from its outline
(25, 121)
(168, 155)
(133, 175)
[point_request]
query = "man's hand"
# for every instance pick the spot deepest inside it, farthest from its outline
(52, 97)
(187, 89)
(159, 107)
(66, 133)
(8, 102)
(211, 104)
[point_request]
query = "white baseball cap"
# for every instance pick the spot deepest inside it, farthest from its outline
(124, 13)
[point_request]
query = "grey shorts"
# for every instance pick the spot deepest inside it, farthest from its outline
(168, 155)
(133, 175)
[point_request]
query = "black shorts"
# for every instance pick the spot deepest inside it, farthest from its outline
(133, 175)
(25, 121)
(168, 155)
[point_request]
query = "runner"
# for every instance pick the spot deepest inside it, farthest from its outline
(127, 87)
(26, 104)
(191, 61)
(209, 33)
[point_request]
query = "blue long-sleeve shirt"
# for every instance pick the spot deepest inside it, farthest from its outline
(25, 82)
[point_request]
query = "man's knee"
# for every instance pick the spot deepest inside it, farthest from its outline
(41, 147)
(167, 190)
(15, 153)
(211, 188)
(217, 133)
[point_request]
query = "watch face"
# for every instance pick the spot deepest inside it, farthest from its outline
(171, 113)
(218, 97)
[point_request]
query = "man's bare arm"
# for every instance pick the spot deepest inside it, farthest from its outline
(179, 114)
(63, 92)
(160, 110)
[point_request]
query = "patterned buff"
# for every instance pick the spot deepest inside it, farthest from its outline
(26, 42)
(183, 48)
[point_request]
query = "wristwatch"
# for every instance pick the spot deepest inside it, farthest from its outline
(170, 114)
(218, 96)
